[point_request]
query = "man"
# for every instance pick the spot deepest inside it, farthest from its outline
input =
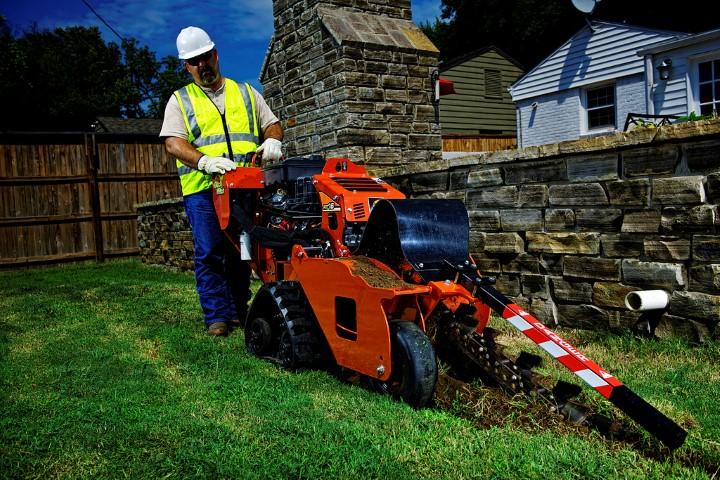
(209, 126)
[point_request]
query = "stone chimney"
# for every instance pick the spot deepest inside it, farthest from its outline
(353, 78)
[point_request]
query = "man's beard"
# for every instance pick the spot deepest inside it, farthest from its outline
(208, 76)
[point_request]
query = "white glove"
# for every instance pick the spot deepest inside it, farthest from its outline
(213, 165)
(270, 149)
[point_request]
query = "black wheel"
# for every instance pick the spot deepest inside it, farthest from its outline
(286, 352)
(259, 337)
(414, 367)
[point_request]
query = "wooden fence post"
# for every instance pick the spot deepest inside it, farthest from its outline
(93, 160)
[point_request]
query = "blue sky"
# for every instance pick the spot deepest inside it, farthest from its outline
(241, 28)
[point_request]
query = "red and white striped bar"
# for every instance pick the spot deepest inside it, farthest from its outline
(575, 361)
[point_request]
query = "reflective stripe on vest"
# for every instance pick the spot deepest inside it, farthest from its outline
(207, 133)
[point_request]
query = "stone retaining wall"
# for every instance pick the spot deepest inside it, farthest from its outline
(569, 229)
(164, 234)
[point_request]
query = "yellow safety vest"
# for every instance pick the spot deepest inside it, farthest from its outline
(231, 135)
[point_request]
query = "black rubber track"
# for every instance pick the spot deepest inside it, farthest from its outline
(296, 341)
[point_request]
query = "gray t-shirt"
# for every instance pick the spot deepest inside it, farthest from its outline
(174, 124)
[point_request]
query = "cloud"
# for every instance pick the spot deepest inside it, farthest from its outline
(159, 21)
(231, 24)
(241, 28)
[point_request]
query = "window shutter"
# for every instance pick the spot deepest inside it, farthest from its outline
(493, 83)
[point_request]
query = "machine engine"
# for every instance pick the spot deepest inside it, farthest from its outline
(290, 203)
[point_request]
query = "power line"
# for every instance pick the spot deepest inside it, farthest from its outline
(103, 20)
(122, 40)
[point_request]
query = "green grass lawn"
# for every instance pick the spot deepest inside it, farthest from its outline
(106, 372)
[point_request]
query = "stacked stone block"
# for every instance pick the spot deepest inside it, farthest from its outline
(352, 78)
(164, 234)
(571, 228)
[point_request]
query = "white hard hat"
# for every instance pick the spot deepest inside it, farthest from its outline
(193, 41)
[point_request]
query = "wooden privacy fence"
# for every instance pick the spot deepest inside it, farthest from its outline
(72, 196)
(477, 143)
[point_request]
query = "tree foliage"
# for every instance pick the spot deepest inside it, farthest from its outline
(61, 80)
(529, 30)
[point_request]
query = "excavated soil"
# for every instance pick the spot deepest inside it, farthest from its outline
(487, 407)
(491, 407)
(374, 275)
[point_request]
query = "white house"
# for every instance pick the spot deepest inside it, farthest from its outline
(588, 85)
(683, 75)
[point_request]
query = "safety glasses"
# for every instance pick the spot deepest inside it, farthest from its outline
(205, 57)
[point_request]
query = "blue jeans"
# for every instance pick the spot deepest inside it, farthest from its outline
(222, 279)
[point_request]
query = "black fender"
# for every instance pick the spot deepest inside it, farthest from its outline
(426, 233)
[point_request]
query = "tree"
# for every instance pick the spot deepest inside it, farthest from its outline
(151, 81)
(529, 30)
(65, 78)
(171, 76)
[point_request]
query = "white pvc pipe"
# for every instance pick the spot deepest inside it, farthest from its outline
(644, 300)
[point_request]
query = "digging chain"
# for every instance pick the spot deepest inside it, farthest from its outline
(487, 356)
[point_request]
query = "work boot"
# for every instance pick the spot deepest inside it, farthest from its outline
(218, 329)
(239, 321)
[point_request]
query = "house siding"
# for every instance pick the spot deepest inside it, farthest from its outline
(605, 54)
(556, 118)
(560, 116)
(469, 110)
(671, 97)
(589, 57)
(629, 98)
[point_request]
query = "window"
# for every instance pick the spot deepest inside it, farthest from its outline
(600, 107)
(709, 86)
(493, 83)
